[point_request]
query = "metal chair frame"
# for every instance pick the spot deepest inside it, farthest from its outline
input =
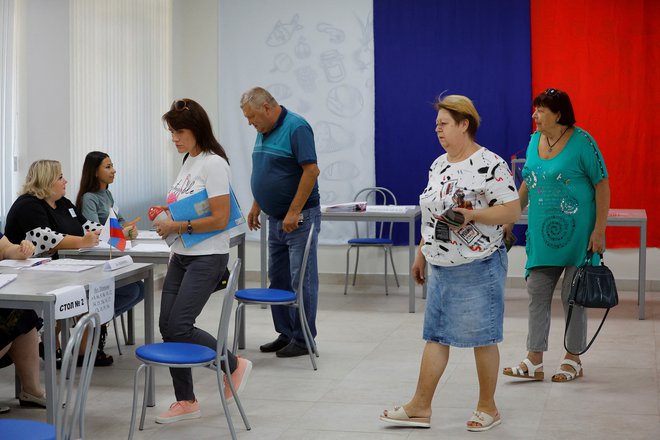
(73, 384)
(214, 364)
(297, 303)
(383, 230)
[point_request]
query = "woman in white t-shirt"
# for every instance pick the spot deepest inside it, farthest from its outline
(194, 272)
(469, 196)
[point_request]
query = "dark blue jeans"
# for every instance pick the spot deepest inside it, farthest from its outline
(189, 282)
(128, 296)
(285, 252)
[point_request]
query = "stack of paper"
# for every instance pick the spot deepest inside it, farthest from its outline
(7, 278)
(345, 207)
(18, 264)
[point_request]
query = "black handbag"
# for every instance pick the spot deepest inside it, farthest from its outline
(592, 287)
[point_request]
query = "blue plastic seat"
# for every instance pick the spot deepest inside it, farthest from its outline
(380, 235)
(72, 390)
(188, 355)
(277, 297)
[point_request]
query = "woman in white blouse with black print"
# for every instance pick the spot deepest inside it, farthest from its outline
(470, 194)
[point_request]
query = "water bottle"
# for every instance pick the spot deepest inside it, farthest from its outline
(156, 213)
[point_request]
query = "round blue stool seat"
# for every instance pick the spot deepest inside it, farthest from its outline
(175, 353)
(265, 295)
(12, 429)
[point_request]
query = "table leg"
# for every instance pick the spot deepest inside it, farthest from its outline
(131, 327)
(412, 248)
(48, 338)
(641, 288)
(241, 285)
(149, 330)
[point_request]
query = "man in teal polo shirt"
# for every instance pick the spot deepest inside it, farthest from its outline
(284, 173)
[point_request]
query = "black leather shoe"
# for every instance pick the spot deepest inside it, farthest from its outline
(291, 350)
(277, 344)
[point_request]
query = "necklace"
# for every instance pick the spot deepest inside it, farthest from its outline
(551, 146)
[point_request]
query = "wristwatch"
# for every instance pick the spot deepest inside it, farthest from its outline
(189, 229)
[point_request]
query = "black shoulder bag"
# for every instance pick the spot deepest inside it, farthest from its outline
(592, 287)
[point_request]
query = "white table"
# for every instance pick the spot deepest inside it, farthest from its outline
(410, 216)
(631, 218)
(29, 291)
(163, 257)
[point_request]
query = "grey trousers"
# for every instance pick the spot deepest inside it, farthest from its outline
(189, 282)
(541, 284)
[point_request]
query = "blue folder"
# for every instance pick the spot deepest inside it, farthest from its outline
(197, 206)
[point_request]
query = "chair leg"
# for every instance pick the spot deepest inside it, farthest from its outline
(396, 278)
(237, 326)
(123, 327)
(131, 429)
(357, 259)
(307, 333)
(114, 327)
(348, 255)
(385, 260)
(147, 378)
(226, 372)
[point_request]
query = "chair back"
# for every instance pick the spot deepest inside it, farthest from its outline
(74, 382)
(303, 269)
(376, 195)
(227, 306)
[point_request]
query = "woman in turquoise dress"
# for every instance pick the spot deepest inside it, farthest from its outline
(567, 187)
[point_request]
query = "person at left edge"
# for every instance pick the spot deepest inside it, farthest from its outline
(194, 272)
(95, 200)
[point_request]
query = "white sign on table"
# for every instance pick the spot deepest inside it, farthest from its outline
(102, 298)
(69, 301)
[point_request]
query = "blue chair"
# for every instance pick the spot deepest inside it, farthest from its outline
(277, 297)
(188, 355)
(72, 391)
(381, 236)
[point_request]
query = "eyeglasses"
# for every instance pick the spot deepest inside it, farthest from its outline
(180, 105)
(551, 92)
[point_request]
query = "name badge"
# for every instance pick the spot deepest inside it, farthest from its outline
(72, 212)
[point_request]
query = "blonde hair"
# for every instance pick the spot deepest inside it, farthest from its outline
(40, 178)
(460, 108)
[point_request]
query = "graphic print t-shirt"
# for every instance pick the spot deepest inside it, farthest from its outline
(204, 171)
(478, 182)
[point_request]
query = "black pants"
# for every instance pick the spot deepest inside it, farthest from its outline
(189, 282)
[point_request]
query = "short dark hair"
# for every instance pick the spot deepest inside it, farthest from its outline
(186, 113)
(557, 101)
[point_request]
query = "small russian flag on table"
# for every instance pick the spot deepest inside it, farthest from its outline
(113, 233)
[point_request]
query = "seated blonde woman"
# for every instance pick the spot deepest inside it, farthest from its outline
(43, 215)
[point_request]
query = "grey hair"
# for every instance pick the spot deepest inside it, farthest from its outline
(257, 96)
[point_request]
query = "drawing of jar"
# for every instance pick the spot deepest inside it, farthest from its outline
(331, 61)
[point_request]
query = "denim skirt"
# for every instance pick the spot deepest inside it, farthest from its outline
(465, 303)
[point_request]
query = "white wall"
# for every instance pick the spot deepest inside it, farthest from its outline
(44, 75)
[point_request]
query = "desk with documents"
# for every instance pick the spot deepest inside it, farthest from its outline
(30, 291)
(397, 214)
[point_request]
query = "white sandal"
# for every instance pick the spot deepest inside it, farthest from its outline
(485, 421)
(531, 373)
(567, 376)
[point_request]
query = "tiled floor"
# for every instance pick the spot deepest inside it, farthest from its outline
(370, 351)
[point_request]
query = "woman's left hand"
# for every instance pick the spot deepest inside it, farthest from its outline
(597, 242)
(131, 232)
